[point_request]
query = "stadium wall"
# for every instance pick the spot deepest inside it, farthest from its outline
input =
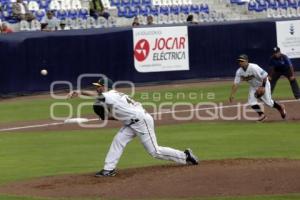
(67, 54)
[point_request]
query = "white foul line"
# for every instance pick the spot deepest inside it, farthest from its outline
(165, 112)
(31, 126)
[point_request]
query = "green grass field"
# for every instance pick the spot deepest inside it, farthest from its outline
(39, 109)
(25, 155)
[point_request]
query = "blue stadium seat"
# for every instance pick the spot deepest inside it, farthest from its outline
(115, 3)
(238, 2)
(135, 2)
(8, 18)
(72, 14)
(282, 4)
(292, 4)
(143, 10)
(132, 12)
(146, 2)
(61, 14)
(185, 9)
(164, 10)
(241, 2)
(44, 4)
(7, 14)
(204, 8)
(273, 5)
(122, 11)
(261, 6)
(154, 10)
(252, 6)
(125, 2)
(195, 8)
(8, 6)
(4, 2)
(83, 13)
(174, 9)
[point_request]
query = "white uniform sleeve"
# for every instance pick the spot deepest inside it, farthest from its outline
(259, 72)
(237, 78)
(108, 98)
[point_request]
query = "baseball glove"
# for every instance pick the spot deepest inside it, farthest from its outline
(100, 108)
(260, 91)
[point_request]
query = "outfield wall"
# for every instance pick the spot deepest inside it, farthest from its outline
(67, 54)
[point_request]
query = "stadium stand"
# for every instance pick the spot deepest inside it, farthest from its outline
(75, 13)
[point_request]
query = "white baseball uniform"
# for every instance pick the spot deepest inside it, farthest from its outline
(137, 122)
(254, 75)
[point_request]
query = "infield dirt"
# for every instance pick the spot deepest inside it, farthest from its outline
(238, 177)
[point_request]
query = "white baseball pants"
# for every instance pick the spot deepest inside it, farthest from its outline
(144, 129)
(266, 98)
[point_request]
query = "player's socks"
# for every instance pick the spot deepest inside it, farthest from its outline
(281, 109)
(257, 109)
(277, 106)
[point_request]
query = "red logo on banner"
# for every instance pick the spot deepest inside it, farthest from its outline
(141, 50)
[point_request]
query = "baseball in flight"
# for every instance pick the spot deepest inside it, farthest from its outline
(44, 72)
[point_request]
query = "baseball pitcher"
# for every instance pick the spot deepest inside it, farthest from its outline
(113, 105)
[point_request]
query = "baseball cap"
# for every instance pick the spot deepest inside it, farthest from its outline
(242, 57)
(104, 82)
(276, 50)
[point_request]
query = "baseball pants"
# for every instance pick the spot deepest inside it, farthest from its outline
(144, 129)
(287, 73)
(266, 98)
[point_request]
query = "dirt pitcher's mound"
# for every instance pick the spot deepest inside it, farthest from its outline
(210, 178)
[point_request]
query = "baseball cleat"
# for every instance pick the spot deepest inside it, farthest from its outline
(262, 118)
(104, 173)
(282, 112)
(191, 159)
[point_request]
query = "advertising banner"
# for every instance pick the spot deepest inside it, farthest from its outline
(159, 49)
(288, 37)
